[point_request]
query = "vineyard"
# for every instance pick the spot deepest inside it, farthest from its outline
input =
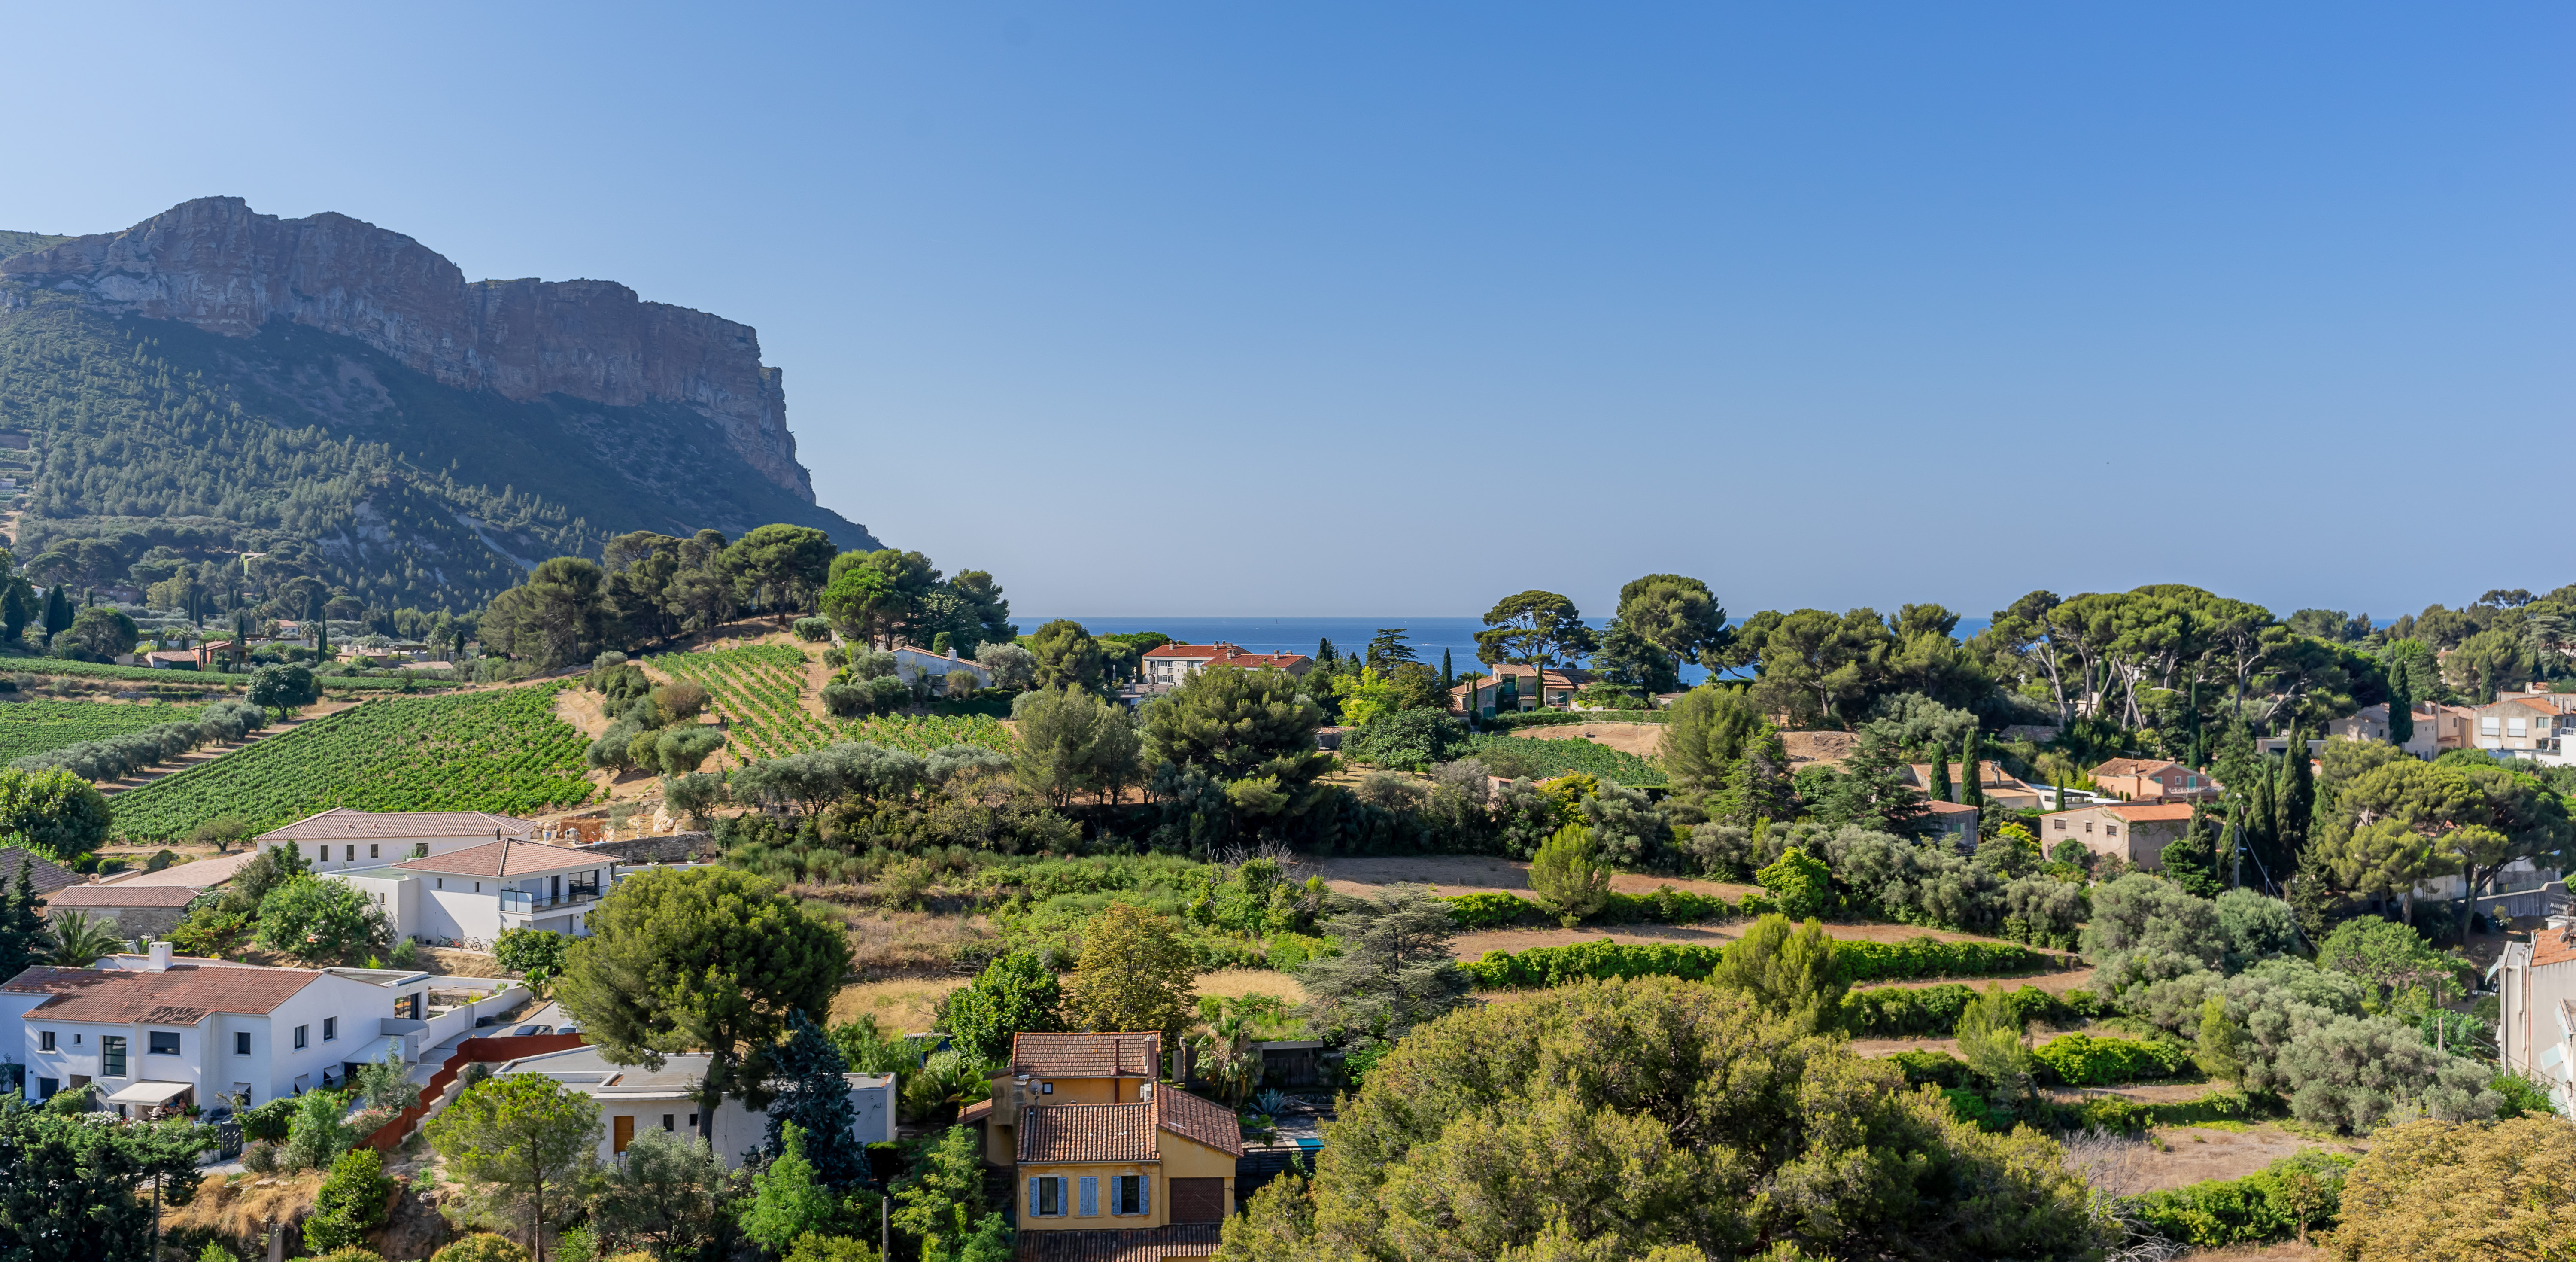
(502, 751)
(1545, 759)
(760, 689)
(37, 727)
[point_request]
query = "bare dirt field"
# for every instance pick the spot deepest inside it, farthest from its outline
(2194, 1153)
(1469, 874)
(1645, 740)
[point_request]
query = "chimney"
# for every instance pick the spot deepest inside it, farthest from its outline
(159, 958)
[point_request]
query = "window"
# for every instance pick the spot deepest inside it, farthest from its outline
(666, 1121)
(111, 1055)
(693, 1121)
(323, 853)
(442, 882)
(46, 1087)
(163, 1043)
(1046, 1196)
(241, 1043)
(2110, 830)
(2488, 726)
(1127, 1194)
(45, 1041)
(372, 852)
(330, 1028)
(1046, 1088)
(2088, 825)
(2061, 825)
(300, 1032)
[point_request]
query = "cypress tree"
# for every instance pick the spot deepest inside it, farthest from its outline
(1940, 775)
(20, 925)
(2298, 798)
(2401, 710)
(1448, 677)
(2262, 824)
(1972, 773)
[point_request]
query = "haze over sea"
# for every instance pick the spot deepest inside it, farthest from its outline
(1427, 635)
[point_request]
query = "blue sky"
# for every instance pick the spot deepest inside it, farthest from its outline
(1259, 309)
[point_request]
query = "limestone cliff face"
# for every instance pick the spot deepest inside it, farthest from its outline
(217, 264)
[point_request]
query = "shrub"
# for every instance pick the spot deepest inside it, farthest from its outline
(1798, 884)
(1860, 961)
(2083, 1060)
(1938, 1069)
(1896, 1012)
(351, 1202)
(1568, 876)
(2431, 1190)
(1491, 909)
(812, 628)
(2278, 1202)
(481, 1247)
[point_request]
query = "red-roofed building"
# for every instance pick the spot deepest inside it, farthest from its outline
(2536, 1015)
(2152, 780)
(1102, 1149)
(2133, 831)
(1166, 665)
(474, 894)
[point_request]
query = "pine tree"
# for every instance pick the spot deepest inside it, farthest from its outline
(1940, 791)
(1972, 769)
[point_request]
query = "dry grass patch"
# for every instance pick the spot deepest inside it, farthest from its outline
(453, 962)
(887, 943)
(1235, 983)
(903, 1005)
(242, 1206)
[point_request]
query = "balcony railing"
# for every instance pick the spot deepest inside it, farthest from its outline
(520, 902)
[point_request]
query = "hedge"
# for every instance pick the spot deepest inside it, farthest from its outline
(2260, 1208)
(1492, 909)
(1864, 961)
(1553, 718)
(1899, 1012)
(2083, 1060)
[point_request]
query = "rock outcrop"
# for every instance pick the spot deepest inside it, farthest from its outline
(218, 265)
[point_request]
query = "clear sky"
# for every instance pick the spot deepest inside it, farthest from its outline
(1318, 309)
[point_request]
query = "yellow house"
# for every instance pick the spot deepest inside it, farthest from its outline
(1097, 1145)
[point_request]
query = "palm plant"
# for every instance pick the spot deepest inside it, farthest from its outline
(75, 939)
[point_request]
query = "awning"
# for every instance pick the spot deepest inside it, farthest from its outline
(149, 1092)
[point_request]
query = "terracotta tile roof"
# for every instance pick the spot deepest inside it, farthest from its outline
(1205, 1121)
(976, 1112)
(2553, 946)
(1193, 652)
(342, 823)
(2132, 767)
(1939, 807)
(203, 874)
(1088, 1132)
(505, 858)
(47, 877)
(182, 995)
(1144, 1244)
(122, 896)
(1135, 1054)
(2145, 812)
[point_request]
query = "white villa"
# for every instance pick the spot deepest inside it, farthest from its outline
(159, 1032)
(470, 895)
(343, 839)
(635, 1098)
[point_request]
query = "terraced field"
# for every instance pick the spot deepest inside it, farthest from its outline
(502, 751)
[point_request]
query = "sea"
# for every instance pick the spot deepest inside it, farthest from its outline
(1428, 636)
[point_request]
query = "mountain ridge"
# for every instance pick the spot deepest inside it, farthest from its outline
(215, 382)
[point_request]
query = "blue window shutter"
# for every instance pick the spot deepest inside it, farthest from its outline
(1033, 1198)
(1090, 1196)
(1145, 1194)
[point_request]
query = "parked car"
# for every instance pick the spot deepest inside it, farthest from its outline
(532, 1029)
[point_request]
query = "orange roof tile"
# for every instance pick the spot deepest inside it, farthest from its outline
(1134, 1054)
(342, 823)
(2132, 767)
(2553, 946)
(1088, 1132)
(122, 896)
(504, 858)
(1192, 1118)
(181, 995)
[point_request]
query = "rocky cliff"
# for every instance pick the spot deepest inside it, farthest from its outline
(219, 266)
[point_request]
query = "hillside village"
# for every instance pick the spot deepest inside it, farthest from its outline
(749, 898)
